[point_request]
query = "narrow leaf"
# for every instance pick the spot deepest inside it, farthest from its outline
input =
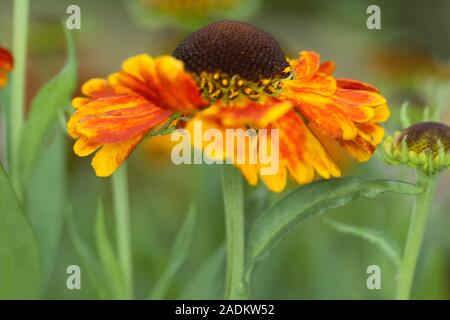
(178, 254)
(109, 262)
(46, 199)
(311, 200)
(53, 96)
(208, 280)
(94, 271)
(376, 237)
(20, 263)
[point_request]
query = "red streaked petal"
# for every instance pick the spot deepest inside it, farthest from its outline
(358, 98)
(251, 113)
(162, 81)
(120, 124)
(302, 151)
(325, 115)
(318, 82)
(355, 85)
(358, 148)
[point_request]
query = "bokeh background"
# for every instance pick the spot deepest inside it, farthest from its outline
(408, 59)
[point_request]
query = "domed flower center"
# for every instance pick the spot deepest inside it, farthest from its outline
(426, 136)
(235, 55)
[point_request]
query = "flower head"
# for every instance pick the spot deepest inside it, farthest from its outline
(244, 79)
(6, 65)
(425, 145)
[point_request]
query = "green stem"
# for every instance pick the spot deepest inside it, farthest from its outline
(233, 197)
(122, 219)
(415, 234)
(16, 112)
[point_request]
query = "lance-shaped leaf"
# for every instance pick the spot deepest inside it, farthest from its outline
(53, 97)
(390, 248)
(178, 254)
(311, 200)
(20, 263)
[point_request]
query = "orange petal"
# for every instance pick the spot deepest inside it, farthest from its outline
(318, 82)
(307, 64)
(111, 156)
(162, 81)
(119, 122)
(328, 67)
(358, 148)
(278, 181)
(97, 88)
(382, 113)
(325, 115)
(358, 98)
(355, 85)
(302, 151)
(371, 132)
(251, 113)
(84, 147)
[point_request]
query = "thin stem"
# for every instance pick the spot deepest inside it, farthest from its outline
(122, 219)
(233, 197)
(16, 112)
(415, 234)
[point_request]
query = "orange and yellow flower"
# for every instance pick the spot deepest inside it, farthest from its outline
(6, 65)
(233, 75)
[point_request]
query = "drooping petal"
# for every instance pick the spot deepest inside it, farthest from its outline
(358, 148)
(325, 116)
(84, 147)
(111, 156)
(302, 151)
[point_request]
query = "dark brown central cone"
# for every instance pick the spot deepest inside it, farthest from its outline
(232, 47)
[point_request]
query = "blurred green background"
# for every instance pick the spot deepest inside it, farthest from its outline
(408, 59)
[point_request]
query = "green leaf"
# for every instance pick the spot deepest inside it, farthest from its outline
(311, 200)
(208, 280)
(20, 264)
(109, 262)
(390, 248)
(178, 254)
(94, 270)
(46, 199)
(53, 97)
